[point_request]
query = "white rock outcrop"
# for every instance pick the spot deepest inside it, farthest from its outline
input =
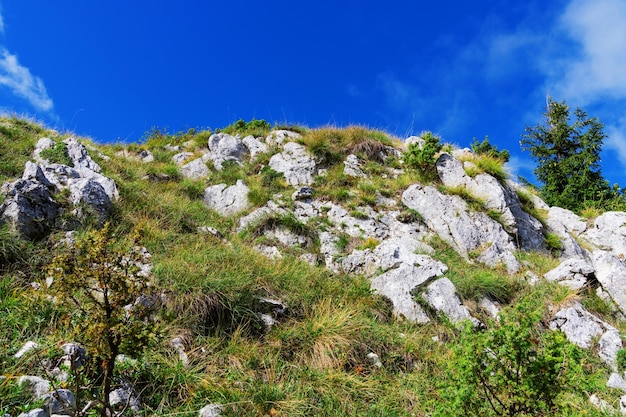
(295, 163)
(227, 201)
(224, 148)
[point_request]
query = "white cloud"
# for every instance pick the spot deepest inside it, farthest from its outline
(22, 83)
(598, 69)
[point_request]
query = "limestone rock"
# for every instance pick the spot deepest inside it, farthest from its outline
(566, 225)
(42, 144)
(39, 387)
(211, 410)
(280, 137)
(610, 272)
(27, 347)
(295, 163)
(572, 273)
(582, 328)
(302, 194)
(125, 397)
(270, 209)
(181, 157)
(255, 146)
(368, 226)
(37, 412)
(466, 231)
(270, 252)
(29, 208)
(441, 296)
(60, 401)
(601, 404)
(225, 147)
(616, 381)
(352, 167)
(195, 169)
(227, 201)
(80, 157)
(609, 233)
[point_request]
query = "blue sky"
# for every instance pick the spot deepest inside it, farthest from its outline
(112, 70)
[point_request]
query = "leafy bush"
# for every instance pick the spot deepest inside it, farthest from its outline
(254, 127)
(422, 158)
(487, 149)
(513, 368)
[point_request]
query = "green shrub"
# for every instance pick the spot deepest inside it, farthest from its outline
(254, 127)
(487, 149)
(513, 368)
(422, 158)
(57, 154)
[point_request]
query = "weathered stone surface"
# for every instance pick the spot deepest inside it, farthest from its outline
(270, 252)
(286, 237)
(227, 201)
(399, 283)
(369, 226)
(414, 139)
(352, 167)
(211, 410)
(60, 401)
(37, 412)
(302, 194)
(195, 169)
(29, 208)
(80, 157)
(497, 197)
(450, 218)
(601, 404)
(295, 163)
(572, 273)
(225, 147)
(566, 225)
(125, 397)
(255, 146)
(441, 296)
(39, 387)
(279, 137)
(27, 347)
(611, 272)
(181, 157)
(582, 328)
(42, 144)
(270, 209)
(145, 156)
(608, 233)
(179, 346)
(616, 381)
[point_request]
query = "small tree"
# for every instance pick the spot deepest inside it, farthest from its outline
(486, 148)
(421, 156)
(568, 157)
(104, 284)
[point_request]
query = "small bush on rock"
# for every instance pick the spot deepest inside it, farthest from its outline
(422, 158)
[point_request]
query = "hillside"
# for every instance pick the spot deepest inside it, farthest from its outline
(298, 272)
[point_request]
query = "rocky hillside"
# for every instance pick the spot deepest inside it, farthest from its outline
(297, 272)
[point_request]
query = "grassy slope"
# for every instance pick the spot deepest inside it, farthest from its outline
(315, 361)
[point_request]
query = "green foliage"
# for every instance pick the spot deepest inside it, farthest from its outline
(11, 246)
(487, 149)
(57, 154)
(159, 137)
(514, 368)
(621, 360)
(100, 281)
(18, 138)
(568, 157)
(422, 158)
(254, 127)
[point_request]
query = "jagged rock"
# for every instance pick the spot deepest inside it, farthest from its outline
(305, 211)
(309, 258)
(608, 232)
(582, 328)
(80, 157)
(278, 137)
(61, 401)
(414, 139)
(610, 272)
(211, 410)
(295, 163)
(441, 296)
(181, 157)
(357, 227)
(497, 197)
(566, 225)
(302, 194)
(195, 169)
(271, 208)
(466, 231)
(145, 156)
(498, 254)
(616, 381)
(29, 208)
(490, 307)
(352, 167)
(384, 201)
(27, 347)
(399, 283)
(75, 355)
(39, 387)
(125, 397)
(225, 147)
(328, 249)
(255, 146)
(286, 237)
(572, 273)
(173, 148)
(227, 201)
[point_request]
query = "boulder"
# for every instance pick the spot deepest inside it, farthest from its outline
(195, 169)
(608, 233)
(38, 387)
(60, 401)
(442, 298)
(616, 381)
(295, 163)
(270, 209)
(302, 194)
(279, 137)
(270, 252)
(497, 197)
(567, 226)
(29, 208)
(352, 167)
(583, 328)
(181, 157)
(227, 201)
(398, 285)
(37, 412)
(572, 273)
(367, 226)
(80, 157)
(610, 271)
(211, 410)
(255, 146)
(466, 231)
(225, 147)
(27, 347)
(125, 397)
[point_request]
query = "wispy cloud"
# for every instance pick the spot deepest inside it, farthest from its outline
(19, 80)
